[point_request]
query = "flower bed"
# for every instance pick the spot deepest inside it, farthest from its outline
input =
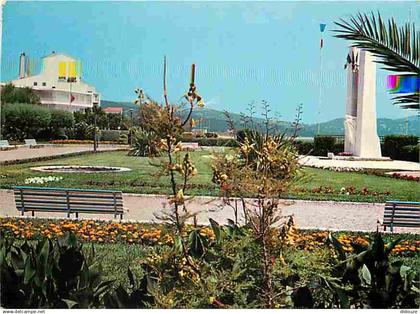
(348, 190)
(405, 177)
(139, 233)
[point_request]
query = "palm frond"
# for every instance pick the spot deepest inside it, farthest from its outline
(396, 48)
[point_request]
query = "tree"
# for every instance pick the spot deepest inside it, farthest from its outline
(24, 121)
(397, 48)
(16, 95)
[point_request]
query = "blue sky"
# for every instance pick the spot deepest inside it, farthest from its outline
(244, 51)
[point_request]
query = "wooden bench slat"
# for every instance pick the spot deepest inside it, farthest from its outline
(64, 201)
(52, 210)
(60, 194)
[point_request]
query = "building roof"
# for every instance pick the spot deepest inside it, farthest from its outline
(113, 110)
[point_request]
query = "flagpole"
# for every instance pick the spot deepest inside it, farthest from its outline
(322, 29)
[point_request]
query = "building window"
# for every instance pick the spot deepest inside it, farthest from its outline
(44, 84)
(35, 83)
(52, 86)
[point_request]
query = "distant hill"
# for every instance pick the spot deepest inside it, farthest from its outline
(215, 121)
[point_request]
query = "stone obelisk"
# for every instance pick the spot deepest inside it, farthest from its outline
(361, 137)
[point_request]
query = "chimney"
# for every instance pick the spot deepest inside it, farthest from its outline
(28, 67)
(22, 65)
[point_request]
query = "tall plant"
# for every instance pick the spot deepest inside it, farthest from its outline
(167, 126)
(258, 172)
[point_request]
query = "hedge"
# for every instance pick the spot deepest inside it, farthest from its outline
(324, 145)
(393, 146)
(228, 142)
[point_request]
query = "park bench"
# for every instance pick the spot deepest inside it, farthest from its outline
(70, 201)
(32, 143)
(401, 214)
(4, 145)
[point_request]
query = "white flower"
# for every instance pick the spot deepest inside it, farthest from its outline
(42, 180)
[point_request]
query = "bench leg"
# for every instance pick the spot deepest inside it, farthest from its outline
(33, 214)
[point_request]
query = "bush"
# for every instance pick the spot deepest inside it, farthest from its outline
(112, 135)
(24, 121)
(324, 145)
(49, 275)
(210, 135)
(60, 121)
(304, 147)
(144, 144)
(410, 153)
(217, 142)
(393, 146)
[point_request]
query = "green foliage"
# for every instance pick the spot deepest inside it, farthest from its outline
(24, 121)
(50, 275)
(368, 279)
(210, 135)
(114, 135)
(410, 152)
(393, 146)
(304, 147)
(137, 297)
(144, 144)
(323, 145)
(17, 95)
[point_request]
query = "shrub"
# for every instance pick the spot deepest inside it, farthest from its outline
(144, 144)
(113, 135)
(49, 275)
(210, 135)
(324, 145)
(410, 153)
(217, 142)
(393, 146)
(24, 121)
(60, 121)
(304, 147)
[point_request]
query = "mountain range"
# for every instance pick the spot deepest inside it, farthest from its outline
(216, 121)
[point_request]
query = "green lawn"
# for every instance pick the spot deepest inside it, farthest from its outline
(141, 179)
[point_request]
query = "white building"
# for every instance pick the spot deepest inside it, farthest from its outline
(59, 85)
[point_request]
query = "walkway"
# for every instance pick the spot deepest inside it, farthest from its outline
(22, 152)
(308, 214)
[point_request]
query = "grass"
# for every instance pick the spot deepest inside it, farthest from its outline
(142, 180)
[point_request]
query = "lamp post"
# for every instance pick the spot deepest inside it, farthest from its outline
(3, 2)
(95, 140)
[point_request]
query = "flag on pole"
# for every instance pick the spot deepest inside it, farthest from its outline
(72, 98)
(322, 29)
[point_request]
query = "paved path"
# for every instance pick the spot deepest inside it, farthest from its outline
(308, 214)
(365, 164)
(23, 152)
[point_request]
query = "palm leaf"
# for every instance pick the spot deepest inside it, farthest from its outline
(396, 48)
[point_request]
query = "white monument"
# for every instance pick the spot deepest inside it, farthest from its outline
(361, 138)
